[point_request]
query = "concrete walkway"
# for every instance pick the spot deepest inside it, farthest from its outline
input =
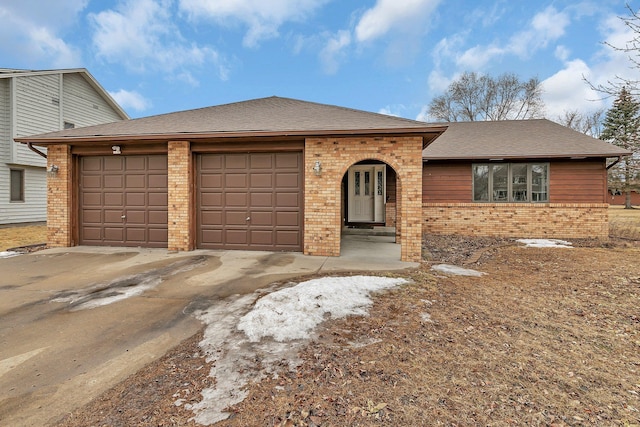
(76, 321)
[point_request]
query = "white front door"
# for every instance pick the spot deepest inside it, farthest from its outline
(366, 193)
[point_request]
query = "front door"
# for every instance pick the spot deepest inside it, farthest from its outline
(366, 193)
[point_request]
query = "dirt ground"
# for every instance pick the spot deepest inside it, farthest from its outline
(546, 337)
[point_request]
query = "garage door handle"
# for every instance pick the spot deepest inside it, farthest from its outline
(248, 218)
(123, 216)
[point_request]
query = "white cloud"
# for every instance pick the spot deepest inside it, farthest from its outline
(263, 18)
(130, 99)
(392, 14)
(30, 30)
(545, 27)
(567, 91)
(141, 35)
(334, 51)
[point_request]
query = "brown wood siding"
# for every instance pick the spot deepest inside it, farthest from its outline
(446, 182)
(578, 182)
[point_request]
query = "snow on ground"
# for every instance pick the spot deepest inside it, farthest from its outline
(545, 243)
(456, 271)
(239, 337)
(8, 254)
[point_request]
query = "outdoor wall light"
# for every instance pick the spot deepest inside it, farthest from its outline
(53, 169)
(317, 168)
(116, 149)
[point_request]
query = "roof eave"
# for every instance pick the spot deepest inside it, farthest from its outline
(498, 157)
(216, 135)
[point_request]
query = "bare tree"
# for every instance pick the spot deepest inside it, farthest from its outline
(587, 123)
(632, 49)
(474, 97)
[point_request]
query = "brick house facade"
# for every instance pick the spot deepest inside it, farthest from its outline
(281, 174)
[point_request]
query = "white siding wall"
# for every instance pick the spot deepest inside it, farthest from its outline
(37, 111)
(42, 104)
(83, 106)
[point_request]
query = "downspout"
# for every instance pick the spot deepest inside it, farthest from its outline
(35, 150)
(614, 163)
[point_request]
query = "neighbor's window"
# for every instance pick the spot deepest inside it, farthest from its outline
(69, 125)
(511, 182)
(16, 179)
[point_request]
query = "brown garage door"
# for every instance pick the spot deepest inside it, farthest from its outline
(250, 201)
(123, 201)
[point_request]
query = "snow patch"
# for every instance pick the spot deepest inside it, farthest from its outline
(456, 271)
(246, 343)
(8, 254)
(545, 243)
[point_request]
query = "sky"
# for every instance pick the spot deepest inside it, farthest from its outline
(387, 56)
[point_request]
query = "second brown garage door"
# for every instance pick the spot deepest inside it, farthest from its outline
(250, 201)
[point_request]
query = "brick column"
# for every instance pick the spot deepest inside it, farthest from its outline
(59, 196)
(180, 203)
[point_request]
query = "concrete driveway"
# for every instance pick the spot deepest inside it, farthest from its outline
(76, 321)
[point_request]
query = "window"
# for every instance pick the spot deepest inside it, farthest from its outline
(16, 179)
(69, 125)
(511, 182)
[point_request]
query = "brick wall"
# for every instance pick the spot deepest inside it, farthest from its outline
(322, 211)
(59, 191)
(180, 196)
(548, 220)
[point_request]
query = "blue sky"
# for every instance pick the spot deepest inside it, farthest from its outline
(389, 56)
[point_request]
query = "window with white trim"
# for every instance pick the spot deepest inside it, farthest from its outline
(511, 182)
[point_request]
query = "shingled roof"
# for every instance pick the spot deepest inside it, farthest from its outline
(273, 116)
(516, 139)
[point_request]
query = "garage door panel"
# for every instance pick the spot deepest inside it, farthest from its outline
(211, 218)
(287, 180)
(288, 200)
(261, 180)
(113, 163)
(236, 199)
(288, 160)
(157, 217)
(265, 187)
(136, 163)
(261, 218)
(235, 161)
(235, 217)
(261, 199)
(288, 238)
(157, 199)
(211, 181)
(236, 237)
(92, 181)
(261, 237)
(287, 219)
(136, 181)
(112, 216)
(211, 199)
(131, 186)
(92, 199)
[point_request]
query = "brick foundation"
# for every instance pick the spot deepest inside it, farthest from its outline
(59, 191)
(322, 208)
(180, 196)
(548, 220)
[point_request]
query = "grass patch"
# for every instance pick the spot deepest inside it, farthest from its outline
(17, 236)
(624, 223)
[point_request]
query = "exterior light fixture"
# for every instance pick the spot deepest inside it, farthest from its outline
(317, 168)
(53, 169)
(116, 149)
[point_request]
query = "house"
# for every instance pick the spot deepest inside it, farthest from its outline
(281, 174)
(36, 102)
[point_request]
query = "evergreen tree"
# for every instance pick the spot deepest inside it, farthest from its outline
(621, 127)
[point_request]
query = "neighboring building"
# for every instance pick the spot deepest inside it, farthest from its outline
(36, 102)
(288, 175)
